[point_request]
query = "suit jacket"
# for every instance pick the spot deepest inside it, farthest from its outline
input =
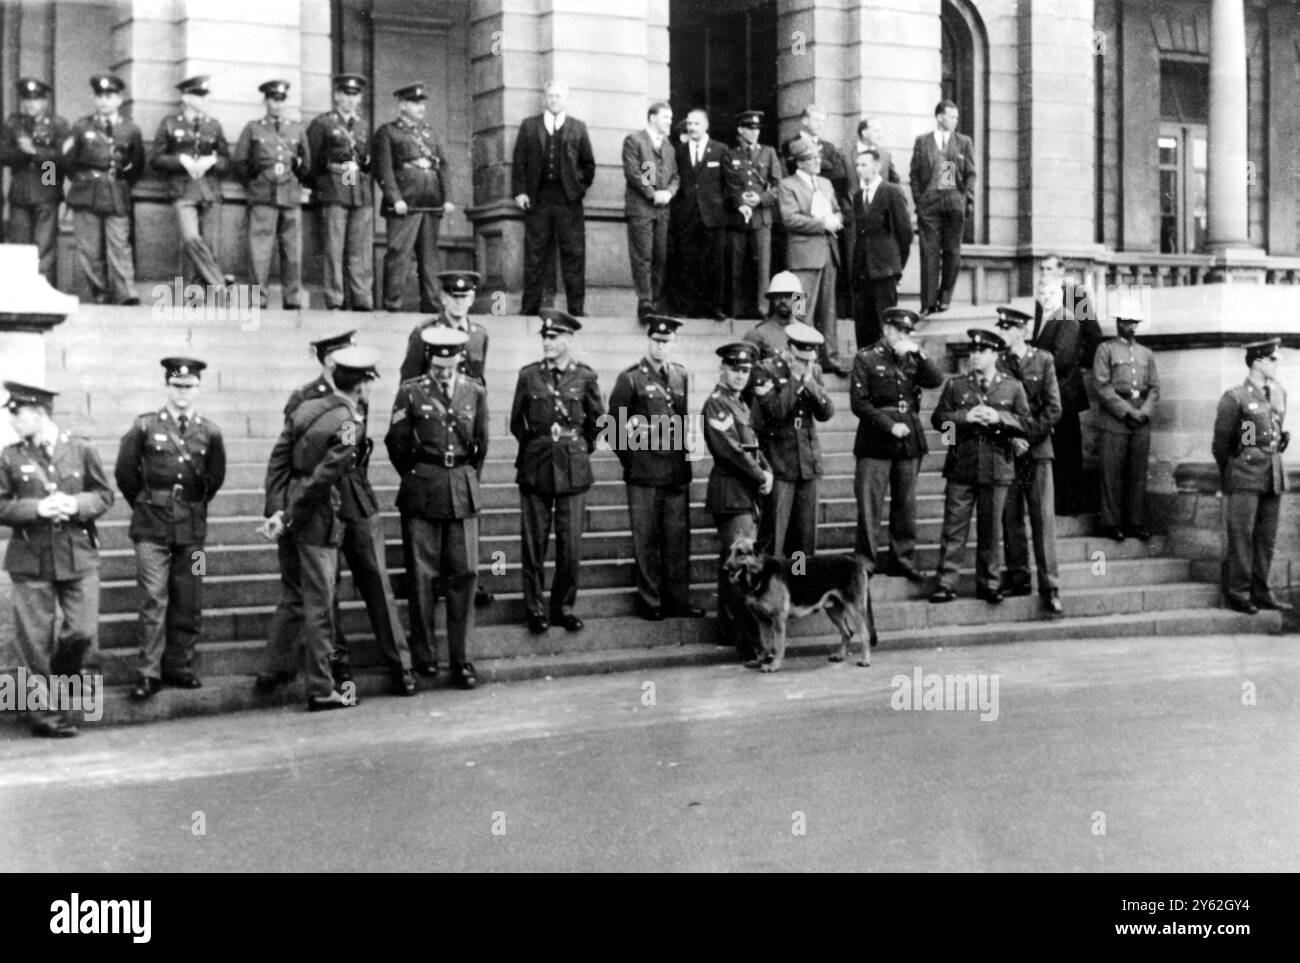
(647, 171)
(577, 162)
(835, 168)
(808, 244)
(703, 188)
(887, 169)
(960, 153)
(1072, 338)
(883, 232)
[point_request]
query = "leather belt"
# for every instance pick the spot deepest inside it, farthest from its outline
(447, 459)
(422, 163)
(902, 407)
(558, 431)
(164, 496)
(342, 167)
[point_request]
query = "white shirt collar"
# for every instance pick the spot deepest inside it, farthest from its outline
(806, 178)
(870, 186)
(553, 121)
(939, 135)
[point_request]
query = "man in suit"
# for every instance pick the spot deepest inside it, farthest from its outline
(835, 169)
(1065, 325)
(699, 218)
(871, 134)
(811, 215)
(943, 190)
(884, 240)
(756, 172)
(32, 148)
(650, 170)
(552, 168)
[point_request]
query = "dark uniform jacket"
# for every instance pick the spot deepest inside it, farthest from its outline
(883, 234)
(577, 162)
(27, 183)
(769, 335)
(168, 478)
(201, 137)
(410, 165)
(703, 188)
(756, 169)
(556, 427)
(784, 414)
(273, 162)
(357, 499)
(338, 150)
(981, 454)
(473, 359)
(438, 447)
(1071, 334)
(1036, 373)
(738, 464)
(1248, 438)
(103, 168)
(884, 390)
(645, 171)
(652, 413)
(319, 445)
(41, 547)
(1127, 383)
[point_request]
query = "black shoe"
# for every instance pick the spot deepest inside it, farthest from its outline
(993, 598)
(182, 680)
(538, 625)
(1111, 532)
(145, 689)
(571, 623)
(465, 677)
(326, 703)
(342, 672)
(429, 669)
(1243, 605)
(53, 729)
(268, 682)
(482, 597)
(292, 306)
(940, 308)
(1013, 591)
(943, 594)
(719, 315)
(403, 683)
(131, 303)
(690, 612)
(1052, 602)
(1272, 603)
(651, 613)
(1141, 534)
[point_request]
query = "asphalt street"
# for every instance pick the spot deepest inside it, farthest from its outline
(1105, 755)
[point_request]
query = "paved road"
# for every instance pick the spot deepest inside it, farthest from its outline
(726, 770)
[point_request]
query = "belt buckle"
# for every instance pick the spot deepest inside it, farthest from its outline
(178, 491)
(279, 169)
(555, 431)
(448, 459)
(798, 421)
(902, 407)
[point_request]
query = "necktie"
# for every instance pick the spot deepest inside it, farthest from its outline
(1268, 394)
(183, 421)
(984, 385)
(555, 377)
(277, 125)
(108, 128)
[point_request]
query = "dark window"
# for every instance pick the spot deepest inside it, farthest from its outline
(1185, 91)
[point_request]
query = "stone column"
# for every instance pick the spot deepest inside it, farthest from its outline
(1228, 231)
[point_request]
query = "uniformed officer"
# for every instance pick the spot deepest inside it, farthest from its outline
(985, 409)
(783, 291)
(1127, 390)
(650, 406)
(738, 481)
(52, 488)
(788, 401)
(411, 168)
(272, 157)
(1031, 484)
(104, 157)
(885, 394)
(1248, 445)
(32, 149)
(340, 176)
(321, 442)
(438, 441)
(170, 465)
(190, 150)
(555, 417)
(755, 174)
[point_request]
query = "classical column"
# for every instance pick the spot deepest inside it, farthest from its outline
(1228, 228)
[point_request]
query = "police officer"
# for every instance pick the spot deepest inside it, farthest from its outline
(52, 488)
(986, 409)
(321, 442)
(1127, 390)
(739, 479)
(32, 148)
(340, 176)
(1248, 445)
(751, 189)
(190, 150)
(885, 394)
(555, 417)
(1031, 484)
(411, 168)
(272, 157)
(649, 405)
(170, 465)
(104, 157)
(438, 441)
(783, 291)
(788, 401)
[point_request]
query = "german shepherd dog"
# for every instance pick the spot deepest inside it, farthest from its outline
(774, 591)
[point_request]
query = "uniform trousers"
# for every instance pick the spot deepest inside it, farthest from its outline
(872, 477)
(57, 624)
(200, 226)
(412, 242)
(318, 569)
(1124, 477)
(37, 224)
(570, 514)
(171, 606)
(1252, 530)
(751, 251)
(286, 623)
(104, 254)
(789, 522)
(443, 550)
(268, 224)
(363, 550)
(958, 503)
(347, 236)
(1032, 489)
(661, 545)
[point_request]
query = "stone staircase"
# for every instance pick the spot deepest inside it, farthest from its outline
(104, 361)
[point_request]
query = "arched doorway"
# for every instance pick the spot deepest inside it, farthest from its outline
(964, 81)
